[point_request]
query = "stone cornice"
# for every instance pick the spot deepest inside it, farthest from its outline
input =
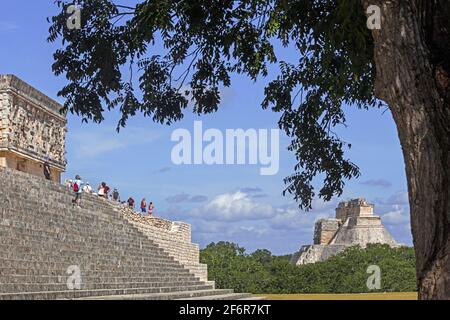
(22, 89)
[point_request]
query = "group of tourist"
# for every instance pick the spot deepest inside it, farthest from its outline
(79, 187)
(143, 206)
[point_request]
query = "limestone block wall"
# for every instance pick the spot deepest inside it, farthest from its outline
(353, 208)
(315, 253)
(362, 231)
(373, 221)
(325, 229)
(173, 237)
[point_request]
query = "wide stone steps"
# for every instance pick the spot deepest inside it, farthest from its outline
(27, 251)
(62, 266)
(150, 287)
(94, 279)
(92, 272)
(87, 216)
(59, 195)
(227, 296)
(84, 259)
(70, 258)
(95, 230)
(7, 243)
(96, 240)
(74, 294)
(52, 224)
(131, 250)
(89, 202)
(42, 234)
(210, 294)
(135, 255)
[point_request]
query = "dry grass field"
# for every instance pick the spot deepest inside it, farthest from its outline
(357, 296)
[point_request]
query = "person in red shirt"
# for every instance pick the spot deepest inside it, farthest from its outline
(143, 206)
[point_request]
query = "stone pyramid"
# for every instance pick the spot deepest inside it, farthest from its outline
(355, 224)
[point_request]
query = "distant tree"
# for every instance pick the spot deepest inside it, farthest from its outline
(263, 256)
(187, 50)
(261, 272)
(229, 267)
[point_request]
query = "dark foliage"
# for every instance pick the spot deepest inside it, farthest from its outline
(188, 50)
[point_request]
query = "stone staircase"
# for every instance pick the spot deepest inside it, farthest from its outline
(46, 242)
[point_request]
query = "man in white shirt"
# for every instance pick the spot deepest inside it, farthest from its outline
(87, 188)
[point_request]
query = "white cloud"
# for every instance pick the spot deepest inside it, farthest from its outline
(290, 217)
(394, 210)
(399, 215)
(224, 211)
(236, 206)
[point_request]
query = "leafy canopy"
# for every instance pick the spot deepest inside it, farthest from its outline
(159, 55)
(262, 272)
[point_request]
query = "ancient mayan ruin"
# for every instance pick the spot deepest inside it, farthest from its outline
(51, 249)
(355, 224)
(32, 129)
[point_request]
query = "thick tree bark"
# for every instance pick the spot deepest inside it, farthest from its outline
(412, 60)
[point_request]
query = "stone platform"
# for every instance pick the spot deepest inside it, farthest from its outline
(52, 250)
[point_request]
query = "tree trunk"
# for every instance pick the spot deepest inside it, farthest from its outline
(413, 76)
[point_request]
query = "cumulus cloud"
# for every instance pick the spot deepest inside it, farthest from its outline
(377, 183)
(290, 217)
(394, 210)
(398, 216)
(233, 207)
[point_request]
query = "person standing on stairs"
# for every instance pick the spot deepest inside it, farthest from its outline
(69, 183)
(116, 196)
(87, 188)
(130, 203)
(47, 171)
(101, 190)
(143, 206)
(78, 189)
(106, 190)
(150, 209)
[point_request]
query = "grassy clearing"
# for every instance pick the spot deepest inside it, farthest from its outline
(357, 296)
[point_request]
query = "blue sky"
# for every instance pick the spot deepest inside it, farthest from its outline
(232, 203)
